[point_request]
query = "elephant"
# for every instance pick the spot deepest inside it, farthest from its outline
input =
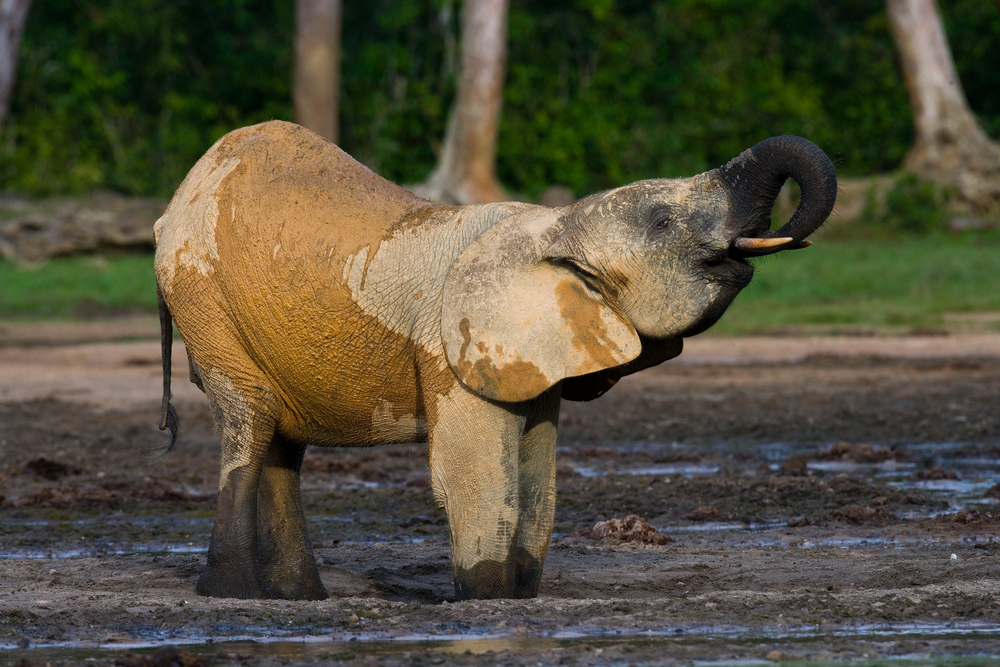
(322, 304)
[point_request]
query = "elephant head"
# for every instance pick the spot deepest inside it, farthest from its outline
(612, 283)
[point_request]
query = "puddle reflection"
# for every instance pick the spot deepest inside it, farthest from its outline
(975, 475)
(320, 646)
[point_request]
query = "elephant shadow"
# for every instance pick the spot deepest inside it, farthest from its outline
(392, 573)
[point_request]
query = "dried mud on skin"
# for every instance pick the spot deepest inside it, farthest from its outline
(75, 479)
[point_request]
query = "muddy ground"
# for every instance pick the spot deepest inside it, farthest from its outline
(819, 498)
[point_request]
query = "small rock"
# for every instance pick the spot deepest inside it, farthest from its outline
(934, 474)
(794, 466)
(859, 453)
(865, 515)
(992, 492)
(704, 513)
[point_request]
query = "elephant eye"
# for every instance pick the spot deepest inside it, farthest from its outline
(663, 219)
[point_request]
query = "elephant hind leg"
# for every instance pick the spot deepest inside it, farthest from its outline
(287, 562)
(245, 419)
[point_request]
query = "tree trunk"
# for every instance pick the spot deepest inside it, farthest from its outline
(466, 169)
(950, 147)
(13, 14)
(317, 65)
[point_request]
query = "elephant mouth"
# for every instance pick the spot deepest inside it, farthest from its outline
(729, 270)
(731, 265)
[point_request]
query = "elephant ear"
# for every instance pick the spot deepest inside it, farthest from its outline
(514, 323)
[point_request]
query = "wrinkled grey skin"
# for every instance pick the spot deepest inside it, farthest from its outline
(322, 305)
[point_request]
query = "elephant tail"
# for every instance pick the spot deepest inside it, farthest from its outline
(168, 415)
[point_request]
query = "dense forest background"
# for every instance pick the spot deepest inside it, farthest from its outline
(127, 94)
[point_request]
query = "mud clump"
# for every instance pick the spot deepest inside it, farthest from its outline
(111, 495)
(992, 492)
(865, 516)
(49, 470)
(858, 453)
(401, 465)
(934, 474)
(968, 516)
(844, 483)
(566, 471)
(795, 466)
(168, 656)
(592, 452)
(705, 513)
(632, 528)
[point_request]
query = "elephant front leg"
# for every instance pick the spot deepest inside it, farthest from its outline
(536, 481)
(473, 457)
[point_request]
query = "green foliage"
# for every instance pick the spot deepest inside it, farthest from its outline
(85, 286)
(127, 94)
(912, 205)
(973, 29)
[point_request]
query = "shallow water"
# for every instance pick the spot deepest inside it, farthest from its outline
(317, 646)
(152, 534)
(975, 475)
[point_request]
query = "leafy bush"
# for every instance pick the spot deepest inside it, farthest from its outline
(911, 205)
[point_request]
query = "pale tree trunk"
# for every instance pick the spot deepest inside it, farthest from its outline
(466, 169)
(950, 147)
(317, 65)
(13, 14)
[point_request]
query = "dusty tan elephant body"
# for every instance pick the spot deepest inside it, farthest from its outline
(321, 304)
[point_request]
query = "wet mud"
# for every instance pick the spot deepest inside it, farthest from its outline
(818, 508)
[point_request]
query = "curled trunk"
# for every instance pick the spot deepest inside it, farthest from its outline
(754, 178)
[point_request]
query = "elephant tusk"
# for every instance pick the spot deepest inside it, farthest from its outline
(802, 244)
(746, 243)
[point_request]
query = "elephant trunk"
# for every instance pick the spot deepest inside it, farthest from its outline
(754, 178)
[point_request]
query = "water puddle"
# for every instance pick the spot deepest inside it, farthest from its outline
(973, 473)
(664, 470)
(891, 466)
(96, 552)
(356, 645)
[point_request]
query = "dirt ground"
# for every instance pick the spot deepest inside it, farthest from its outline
(819, 498)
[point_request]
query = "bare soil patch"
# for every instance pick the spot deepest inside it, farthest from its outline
(797, 495)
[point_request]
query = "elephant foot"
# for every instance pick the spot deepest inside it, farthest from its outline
(295, 585)
(491, 580)
(221, 582)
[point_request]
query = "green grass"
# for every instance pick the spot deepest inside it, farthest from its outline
(78, 287)
(847, 285)
(882, 285)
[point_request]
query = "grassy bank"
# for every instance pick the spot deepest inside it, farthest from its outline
(935, 282)
(78, 287)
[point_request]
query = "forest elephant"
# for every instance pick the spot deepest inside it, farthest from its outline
(321, 304)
